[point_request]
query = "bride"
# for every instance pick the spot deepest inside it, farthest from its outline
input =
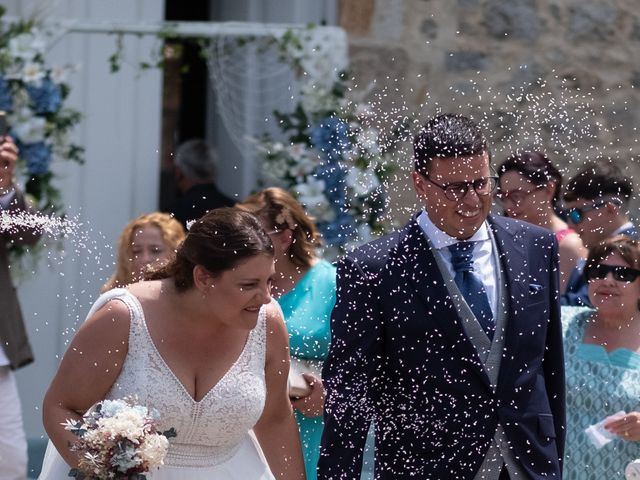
(203, 343)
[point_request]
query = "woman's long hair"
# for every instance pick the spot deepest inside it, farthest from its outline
(280, 210)
(172, 235)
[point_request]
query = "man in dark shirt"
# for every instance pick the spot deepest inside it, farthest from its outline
(597, 198)
(195, 172)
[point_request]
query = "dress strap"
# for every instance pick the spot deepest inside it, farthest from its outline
(258, 338)
(104, 299)
(125, 296)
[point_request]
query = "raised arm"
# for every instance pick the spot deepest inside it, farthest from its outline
(11, 198)
(277, 431)
(349, 374)
(88, 369)
(571, 250)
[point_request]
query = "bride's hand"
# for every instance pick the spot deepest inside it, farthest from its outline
(313, 404)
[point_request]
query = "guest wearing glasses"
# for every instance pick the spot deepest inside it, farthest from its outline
(446, 333)
(529, 189)
(602, 362)
(598, 202)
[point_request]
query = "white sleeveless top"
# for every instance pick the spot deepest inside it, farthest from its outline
(213, 435)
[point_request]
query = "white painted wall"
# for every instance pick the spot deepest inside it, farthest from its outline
(121, 134)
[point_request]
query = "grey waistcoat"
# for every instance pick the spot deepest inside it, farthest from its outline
(490, 354)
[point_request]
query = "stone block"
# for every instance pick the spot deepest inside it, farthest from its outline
(635, 31)
(356, 15)
(463, 60)
(468, 4)
(513, 19)
(527, 76)
(429, 28)
(592, 22)
(378, 70)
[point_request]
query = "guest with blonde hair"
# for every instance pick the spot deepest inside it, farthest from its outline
(147, 242)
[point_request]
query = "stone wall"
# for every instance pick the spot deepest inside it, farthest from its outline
(562, 75)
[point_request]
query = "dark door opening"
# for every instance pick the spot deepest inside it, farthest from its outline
(185, 84)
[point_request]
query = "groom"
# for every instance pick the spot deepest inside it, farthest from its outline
(447, 334)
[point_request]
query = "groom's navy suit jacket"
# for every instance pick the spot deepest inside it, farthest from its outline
(401, 358)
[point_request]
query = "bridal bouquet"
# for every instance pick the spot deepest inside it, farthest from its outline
(118, 439)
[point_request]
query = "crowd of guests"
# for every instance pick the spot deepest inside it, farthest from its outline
(340, 373)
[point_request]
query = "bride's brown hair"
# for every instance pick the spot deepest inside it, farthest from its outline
(218, 241)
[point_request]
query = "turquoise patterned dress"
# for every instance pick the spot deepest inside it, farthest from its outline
(307, 313)
(599, 383)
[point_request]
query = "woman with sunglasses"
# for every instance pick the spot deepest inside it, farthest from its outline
(529, 188)
(602, 358)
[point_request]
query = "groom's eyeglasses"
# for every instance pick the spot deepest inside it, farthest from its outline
(456, 191)
(620, 274)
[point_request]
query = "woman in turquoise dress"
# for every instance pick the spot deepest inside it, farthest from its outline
(602, 356)
(305, 287)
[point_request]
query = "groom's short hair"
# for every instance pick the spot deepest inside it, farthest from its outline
(447, 135)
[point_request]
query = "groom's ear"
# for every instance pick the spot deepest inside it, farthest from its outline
(419, 184)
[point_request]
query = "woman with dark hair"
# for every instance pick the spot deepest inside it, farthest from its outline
(602, 358)
(305, 287)
(529, 189)
(200, 341)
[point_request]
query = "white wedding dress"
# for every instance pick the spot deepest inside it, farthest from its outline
(214, 439)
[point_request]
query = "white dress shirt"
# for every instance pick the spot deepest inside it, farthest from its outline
(483, 259)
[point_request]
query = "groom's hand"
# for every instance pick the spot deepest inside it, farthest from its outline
(313, 404)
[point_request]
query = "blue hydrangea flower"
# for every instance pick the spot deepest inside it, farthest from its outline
(37, 156)
(331, 138)
(6, 99)
(46, 97)
(335, 180)
(341, 230)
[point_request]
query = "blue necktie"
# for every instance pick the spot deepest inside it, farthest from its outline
(471, 286)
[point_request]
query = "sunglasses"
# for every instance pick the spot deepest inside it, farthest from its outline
(620, 274)
(576, 214)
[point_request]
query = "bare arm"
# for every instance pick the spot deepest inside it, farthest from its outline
(88, 369)
(276, 430)
(571, 250)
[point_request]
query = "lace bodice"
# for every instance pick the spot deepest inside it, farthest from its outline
(211, 430)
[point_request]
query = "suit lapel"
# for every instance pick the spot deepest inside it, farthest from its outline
(421, 268)
(513, 261)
